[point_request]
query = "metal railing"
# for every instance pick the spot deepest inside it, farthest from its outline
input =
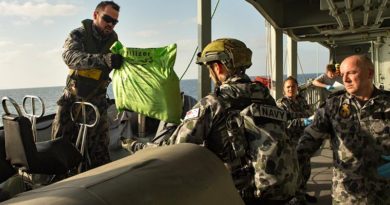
(313, 95)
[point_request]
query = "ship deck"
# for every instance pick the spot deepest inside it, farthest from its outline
(320, 182)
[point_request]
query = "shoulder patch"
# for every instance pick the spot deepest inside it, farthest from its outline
(271, 112)
(192, 114)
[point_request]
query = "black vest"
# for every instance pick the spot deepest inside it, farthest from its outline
(95, 80)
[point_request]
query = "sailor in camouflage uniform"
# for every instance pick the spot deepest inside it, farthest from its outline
(206, 125)
(87, 54)
(297, 108)
(299, 111)
(358, 122)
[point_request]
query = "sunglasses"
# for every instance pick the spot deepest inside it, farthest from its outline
(109, 19)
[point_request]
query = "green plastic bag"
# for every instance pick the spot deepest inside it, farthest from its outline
(146, 83)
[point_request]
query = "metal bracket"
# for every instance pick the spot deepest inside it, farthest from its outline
(81, 142)
(5, 107)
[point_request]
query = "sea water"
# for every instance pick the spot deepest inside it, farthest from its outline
(50, 95)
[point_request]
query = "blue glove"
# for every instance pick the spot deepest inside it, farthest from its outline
(307, 121)
(329, 87)
(384, 170)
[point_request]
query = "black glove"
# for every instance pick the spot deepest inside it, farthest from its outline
(114, 61)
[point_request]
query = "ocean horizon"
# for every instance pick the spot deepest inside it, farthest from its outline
(50, 95)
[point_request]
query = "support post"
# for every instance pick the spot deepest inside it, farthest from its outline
(277, 62)
(291, 57)
(204, 37)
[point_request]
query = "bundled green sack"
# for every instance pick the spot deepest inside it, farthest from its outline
(146, 83)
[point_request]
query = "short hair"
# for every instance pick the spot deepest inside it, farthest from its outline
(103, 5)
(290, 78)
(364, 62)
(330, 67)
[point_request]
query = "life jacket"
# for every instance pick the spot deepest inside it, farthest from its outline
(91, 81)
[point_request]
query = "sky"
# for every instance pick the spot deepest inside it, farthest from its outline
(33, 32)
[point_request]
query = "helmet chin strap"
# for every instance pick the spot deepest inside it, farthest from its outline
(217, 82)
(228, 73)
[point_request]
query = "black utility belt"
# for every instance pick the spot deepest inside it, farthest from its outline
(86, 87)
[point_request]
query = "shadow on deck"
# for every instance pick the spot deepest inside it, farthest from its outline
(320, 182)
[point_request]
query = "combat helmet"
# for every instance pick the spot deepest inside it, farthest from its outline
(231, 52)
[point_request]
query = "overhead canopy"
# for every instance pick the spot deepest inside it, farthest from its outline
(329, 22)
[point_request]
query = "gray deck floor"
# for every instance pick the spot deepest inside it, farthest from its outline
(320, 183)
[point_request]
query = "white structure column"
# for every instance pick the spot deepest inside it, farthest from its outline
(381, 58)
